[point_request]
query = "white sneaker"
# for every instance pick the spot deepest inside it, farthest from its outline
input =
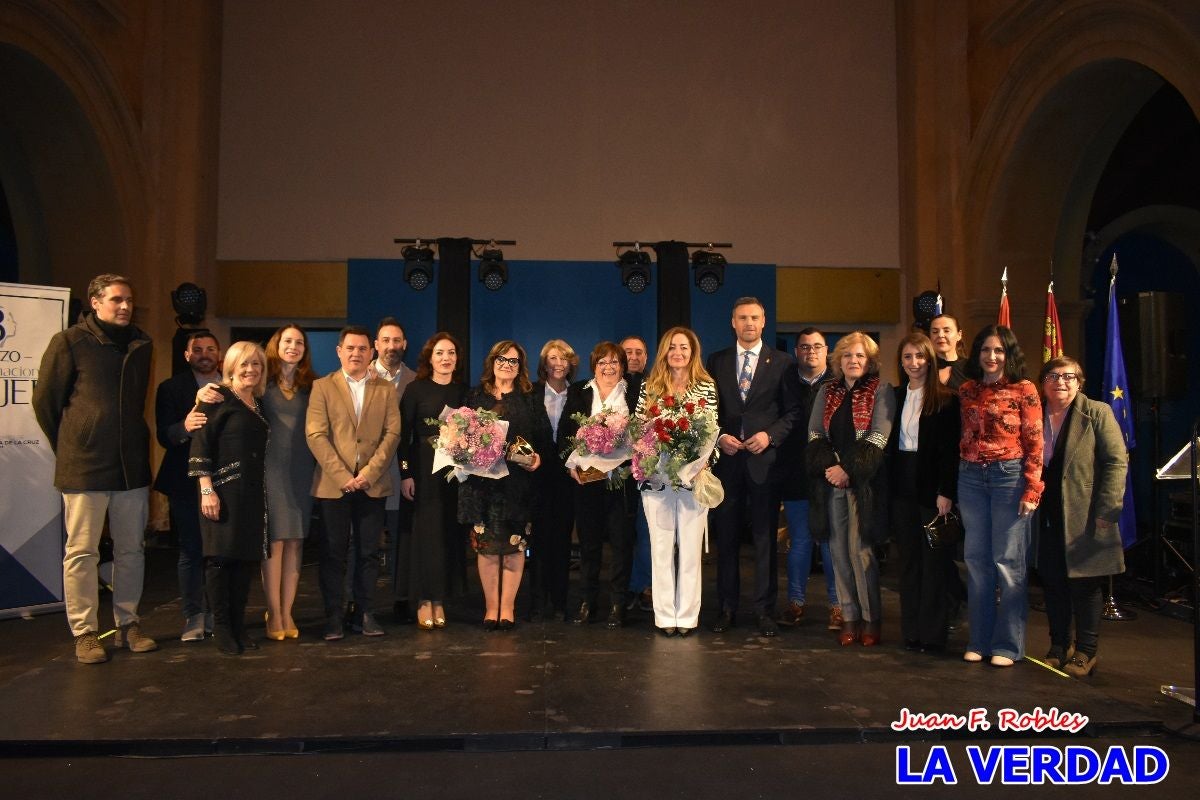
(193, 629)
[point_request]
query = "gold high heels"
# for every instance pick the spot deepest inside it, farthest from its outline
(275, 636)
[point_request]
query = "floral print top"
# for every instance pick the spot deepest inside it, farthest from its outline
(1002, 421)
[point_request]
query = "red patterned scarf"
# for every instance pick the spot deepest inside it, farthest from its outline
(862, 402)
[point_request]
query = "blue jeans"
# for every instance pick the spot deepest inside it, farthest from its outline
(996, 541)
(641, 577)
(800, 550)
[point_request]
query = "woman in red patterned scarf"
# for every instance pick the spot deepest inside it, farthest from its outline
(850, 425)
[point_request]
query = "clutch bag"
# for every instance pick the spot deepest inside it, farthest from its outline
(944, 530)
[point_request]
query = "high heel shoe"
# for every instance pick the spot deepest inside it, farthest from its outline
(425, 624)
(872, 634)
(291, 633)
(489, 625)
(274, 636)
(439, 622)
(850, 633)
(1081, 665)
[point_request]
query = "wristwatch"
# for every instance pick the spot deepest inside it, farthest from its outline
(206, 491)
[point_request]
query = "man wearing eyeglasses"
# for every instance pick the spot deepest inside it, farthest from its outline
(812, 366)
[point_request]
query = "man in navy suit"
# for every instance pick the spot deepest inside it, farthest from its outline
(758, 405)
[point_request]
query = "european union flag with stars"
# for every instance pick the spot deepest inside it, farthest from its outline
(1116, 392)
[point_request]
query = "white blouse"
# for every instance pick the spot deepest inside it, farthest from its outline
(910, 419)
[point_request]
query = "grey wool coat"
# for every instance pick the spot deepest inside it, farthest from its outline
(1093, 487)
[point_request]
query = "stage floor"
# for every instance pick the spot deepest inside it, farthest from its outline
(544, 686)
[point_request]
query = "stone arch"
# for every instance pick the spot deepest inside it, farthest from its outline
(1043, 141)
(71, 158)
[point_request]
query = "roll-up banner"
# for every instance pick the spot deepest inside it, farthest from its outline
(31, 526)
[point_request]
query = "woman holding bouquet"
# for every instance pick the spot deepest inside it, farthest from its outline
(499, 511)
(602, 512)
(436, 532)
(847, 432)
(680, 391)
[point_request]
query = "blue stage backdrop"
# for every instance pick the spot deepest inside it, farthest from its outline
(712, 313)
(582, 302)
(375, 289)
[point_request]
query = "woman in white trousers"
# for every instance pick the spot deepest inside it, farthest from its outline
(674, 517)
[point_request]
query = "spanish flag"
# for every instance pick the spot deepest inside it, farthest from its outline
(1052, 345)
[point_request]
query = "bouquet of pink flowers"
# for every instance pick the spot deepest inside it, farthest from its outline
(601, 444)
(471, 440)
(672, 442)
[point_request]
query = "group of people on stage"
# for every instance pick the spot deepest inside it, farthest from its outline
(254, 438)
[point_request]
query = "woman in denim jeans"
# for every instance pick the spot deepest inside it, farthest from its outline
(999, 487)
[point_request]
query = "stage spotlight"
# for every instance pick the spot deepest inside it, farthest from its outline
(925, 308)
(493, 272)
(418, 266)
(190, 302)
(710, 270)
(635, 269)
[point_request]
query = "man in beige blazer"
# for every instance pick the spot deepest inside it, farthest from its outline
(353, 429)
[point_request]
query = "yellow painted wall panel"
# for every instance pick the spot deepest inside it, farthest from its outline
(283, 289)
(824, 295)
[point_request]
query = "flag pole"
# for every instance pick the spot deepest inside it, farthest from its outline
(1112, 609)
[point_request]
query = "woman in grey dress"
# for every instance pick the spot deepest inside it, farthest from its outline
(289, 475)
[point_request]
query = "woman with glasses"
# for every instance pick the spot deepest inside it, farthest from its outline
(999, 486)
(551, 561)
(603, 513)
(500, 511)
(1077, 539)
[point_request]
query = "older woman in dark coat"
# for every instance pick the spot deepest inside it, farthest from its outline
(228, 458)
(848, 430)
(1077, 541)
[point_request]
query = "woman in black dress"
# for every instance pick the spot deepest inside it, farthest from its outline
(436, 532)
(228, 457)
(499, 511)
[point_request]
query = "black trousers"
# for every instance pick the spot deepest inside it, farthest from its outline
(227, 581)
(755, 504)
(550, 559)
(924, 608)
(1067, 598)
(364, 515)
(605, 515)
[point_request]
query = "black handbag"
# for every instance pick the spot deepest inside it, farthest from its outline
(944, 530)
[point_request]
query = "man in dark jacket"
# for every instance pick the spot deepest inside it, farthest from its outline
(757, 409)
(89, 401)
(175, 420)
(812, 367)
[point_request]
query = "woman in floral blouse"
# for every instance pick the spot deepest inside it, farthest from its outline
(999, 486)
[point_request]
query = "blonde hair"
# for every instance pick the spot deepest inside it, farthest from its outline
(568, 353)
(658, 383)
(843, 346)
(239, 353)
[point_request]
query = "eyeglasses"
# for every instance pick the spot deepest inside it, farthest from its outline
(807, 348)
(515, 362)
(1055, 377)
(608, 363)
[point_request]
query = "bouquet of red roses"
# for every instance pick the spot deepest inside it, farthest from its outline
(672, 441)
(472, 441)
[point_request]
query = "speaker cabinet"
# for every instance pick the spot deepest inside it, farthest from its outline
(1156, 325)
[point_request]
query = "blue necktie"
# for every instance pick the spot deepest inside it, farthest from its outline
(745, 376)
